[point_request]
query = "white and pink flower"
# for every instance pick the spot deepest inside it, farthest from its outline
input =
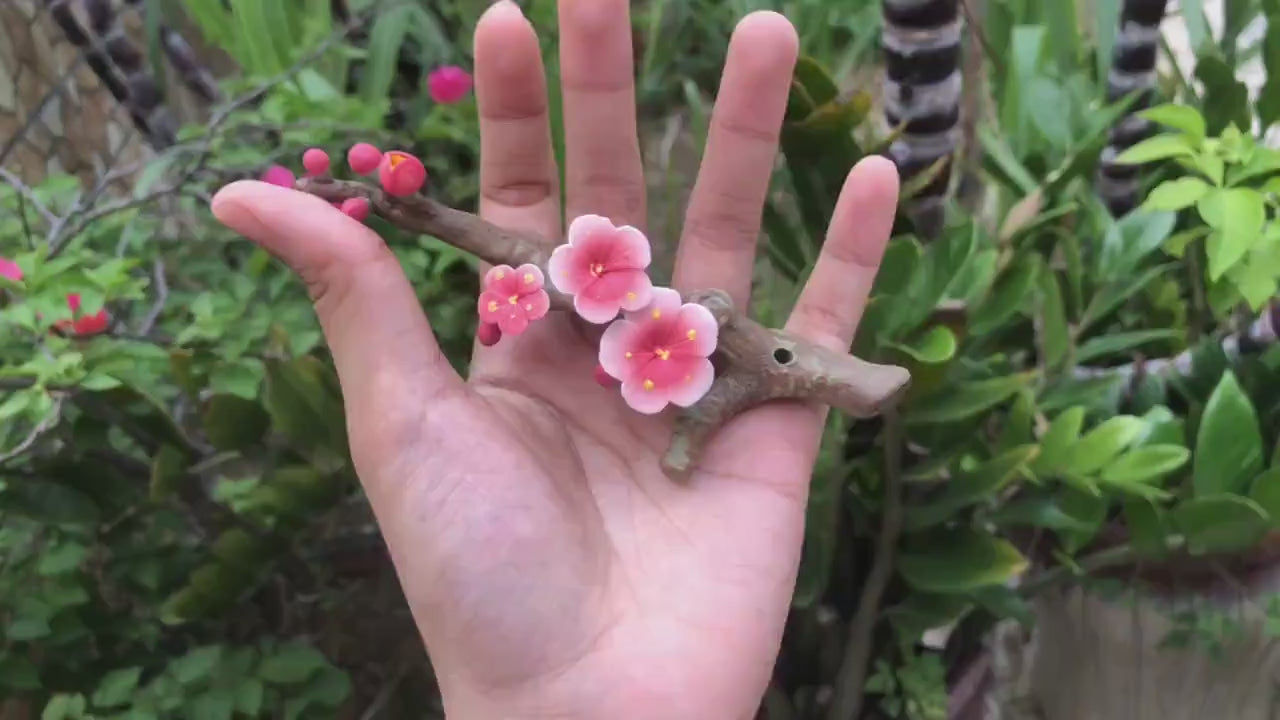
(603, 267)
(661, 353)
(511, 298)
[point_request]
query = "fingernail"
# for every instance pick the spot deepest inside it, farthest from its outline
(506, 6)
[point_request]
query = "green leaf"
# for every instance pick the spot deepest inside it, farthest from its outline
(1103, 443)
(1148, 531)
(385, 42)
(1176, 194)
(1159, 147)
(1237, 216)
(18, 673)
(1035, 511)
(966, 400)
(1120, 342)
(1144, 464)
(64, 706)
(1057, 442)
(116, 687)
(1219, 524)
(168, 472)
(1055, 338)
(1228, 451)
(61, 558)
(1265, 491)
(921, 611)
(291, 663)
(1268, 105)
(216, 704)
(306, 409)
(249, 697)
(959, 561)
(197, 664)
(970, 487)
(233, 423)
(1008, 297)
(935, 347)
(1179, 117)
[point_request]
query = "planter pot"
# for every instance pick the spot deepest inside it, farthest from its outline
(1184, 646)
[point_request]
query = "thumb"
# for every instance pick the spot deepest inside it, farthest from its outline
(379, 337)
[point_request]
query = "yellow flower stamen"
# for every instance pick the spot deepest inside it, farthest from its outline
(513, 299)
(648, 384)
(528, 277)
(597, 269)
(493, 306)
(628, 355)
(662, 353)
(657, 314)
(631, 296)
(691, 334)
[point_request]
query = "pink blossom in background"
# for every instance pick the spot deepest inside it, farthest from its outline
(511, 298)
(316, 161)
(401, 173)
(279, 175)
(82, 325)
(363, 158)
(449, 84)
(603, 267)
(661, 353)
(9, 269)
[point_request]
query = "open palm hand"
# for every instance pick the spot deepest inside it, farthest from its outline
(552, 568)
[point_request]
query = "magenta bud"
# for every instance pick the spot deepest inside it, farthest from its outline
(449, 84)
(605, 379)
(279, 175)
(316, 161)
(488, 334)
(356, 207)
(363, 158)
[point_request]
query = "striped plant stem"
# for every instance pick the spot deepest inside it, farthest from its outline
(1133, 70)
(922, 93)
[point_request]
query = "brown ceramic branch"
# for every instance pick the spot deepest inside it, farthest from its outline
(754, 364)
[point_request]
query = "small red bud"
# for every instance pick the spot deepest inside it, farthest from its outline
(363, 158)
(449, 84)
(605, 379)
(488, 334)
(356, 207)
(316, 161)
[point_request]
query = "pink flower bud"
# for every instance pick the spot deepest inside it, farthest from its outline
(448, 84)
(401, 173)
(488, 334)
(357, 208)
(316, 161)
(603, 378)
(363, 158)
(279, 175)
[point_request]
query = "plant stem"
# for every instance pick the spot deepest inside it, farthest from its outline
(852, 676)
(1101, 560)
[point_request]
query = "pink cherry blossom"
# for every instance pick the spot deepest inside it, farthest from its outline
(316, 161)
(363, 158)
(449, 84)
(661, 353)
(279, 175)
(10, 270)
(401, 173)
(603, 267)
(513, 298)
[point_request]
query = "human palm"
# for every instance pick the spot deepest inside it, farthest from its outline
(553, 569)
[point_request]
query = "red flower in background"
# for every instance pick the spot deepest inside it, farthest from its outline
(83, 325)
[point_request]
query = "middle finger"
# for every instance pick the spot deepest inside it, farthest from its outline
(603, 173)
